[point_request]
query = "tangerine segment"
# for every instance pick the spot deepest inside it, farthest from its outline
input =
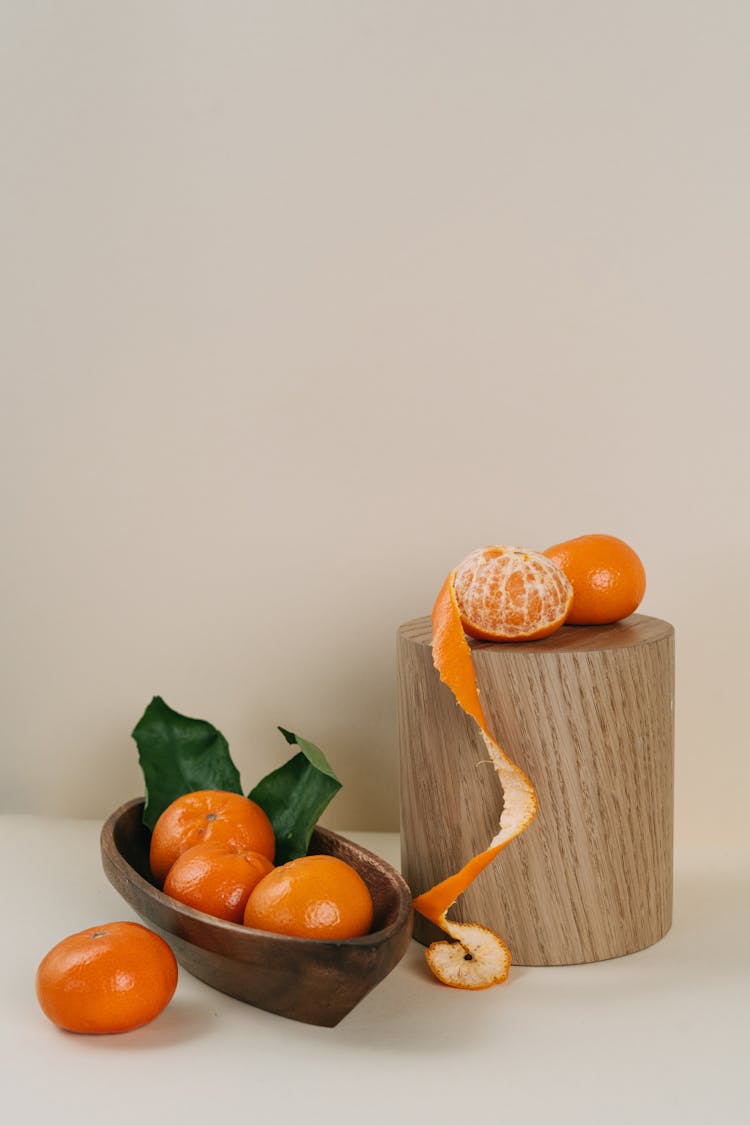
(508, 594)
(607, 576)
(452, 659)
(209, 815)
(316, 896)
(106, 979)
(216, 879)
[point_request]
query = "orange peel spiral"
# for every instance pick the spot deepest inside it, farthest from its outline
(476, 957)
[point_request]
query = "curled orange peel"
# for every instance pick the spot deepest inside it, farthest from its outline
(476, 958)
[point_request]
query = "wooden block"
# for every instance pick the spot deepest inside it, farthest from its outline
(588, 713)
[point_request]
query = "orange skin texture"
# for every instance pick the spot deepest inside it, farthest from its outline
(452, 658)
(451, 654)
(106, 979)
(510, 594)
(216, 879)
(607, 576)
(316, 896)
(209, 816)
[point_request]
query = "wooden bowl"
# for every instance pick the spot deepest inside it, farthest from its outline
(316, 982)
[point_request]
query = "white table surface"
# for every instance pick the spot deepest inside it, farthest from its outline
(661, 1035)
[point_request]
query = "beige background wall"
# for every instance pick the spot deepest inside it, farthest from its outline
(303, 301)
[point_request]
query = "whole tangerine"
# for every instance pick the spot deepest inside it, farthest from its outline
(315, 896)
(607, 577)
(209, 815)
(510, 594)
(106, 979)
(216, 879)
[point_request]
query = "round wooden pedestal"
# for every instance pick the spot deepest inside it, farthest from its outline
(588, 713)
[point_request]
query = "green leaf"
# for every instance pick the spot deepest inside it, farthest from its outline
(295, 796)
(179, 755)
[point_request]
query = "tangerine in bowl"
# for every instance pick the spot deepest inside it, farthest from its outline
(315, 896)
(310, 979)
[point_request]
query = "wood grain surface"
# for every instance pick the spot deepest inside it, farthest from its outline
(588, 713)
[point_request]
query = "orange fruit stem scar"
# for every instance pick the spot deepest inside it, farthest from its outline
(476, 958)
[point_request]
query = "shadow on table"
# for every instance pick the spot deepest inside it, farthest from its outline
(182, 1021)
(411, 1012)
(706, 948)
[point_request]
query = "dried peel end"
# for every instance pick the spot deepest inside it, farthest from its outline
(476, 959)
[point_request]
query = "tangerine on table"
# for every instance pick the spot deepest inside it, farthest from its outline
(508, 594)
(216, 879)
(106, 979)
(209, 815)
(315, 896)
(607, 576)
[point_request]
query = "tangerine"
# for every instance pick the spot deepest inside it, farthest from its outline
(607, 576)
(106, 979)
(216, 879)
(209, 815)
(508, 594)
(315, 896)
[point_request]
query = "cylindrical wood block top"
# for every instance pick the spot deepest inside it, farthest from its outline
(588, 713)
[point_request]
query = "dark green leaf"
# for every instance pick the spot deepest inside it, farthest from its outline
(179, 755)
(295, 796)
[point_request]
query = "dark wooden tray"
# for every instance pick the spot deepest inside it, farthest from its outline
(315, 982)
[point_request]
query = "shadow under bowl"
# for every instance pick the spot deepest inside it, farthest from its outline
(317, 982)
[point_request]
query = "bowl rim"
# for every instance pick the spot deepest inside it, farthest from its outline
(373, 939)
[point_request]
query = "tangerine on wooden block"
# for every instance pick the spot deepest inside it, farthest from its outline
(216, 879)
(509, 594)
(607, 577)
(209, 815)
(315, 896)
(106, 979)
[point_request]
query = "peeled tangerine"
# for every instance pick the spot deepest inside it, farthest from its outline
(509, 594)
